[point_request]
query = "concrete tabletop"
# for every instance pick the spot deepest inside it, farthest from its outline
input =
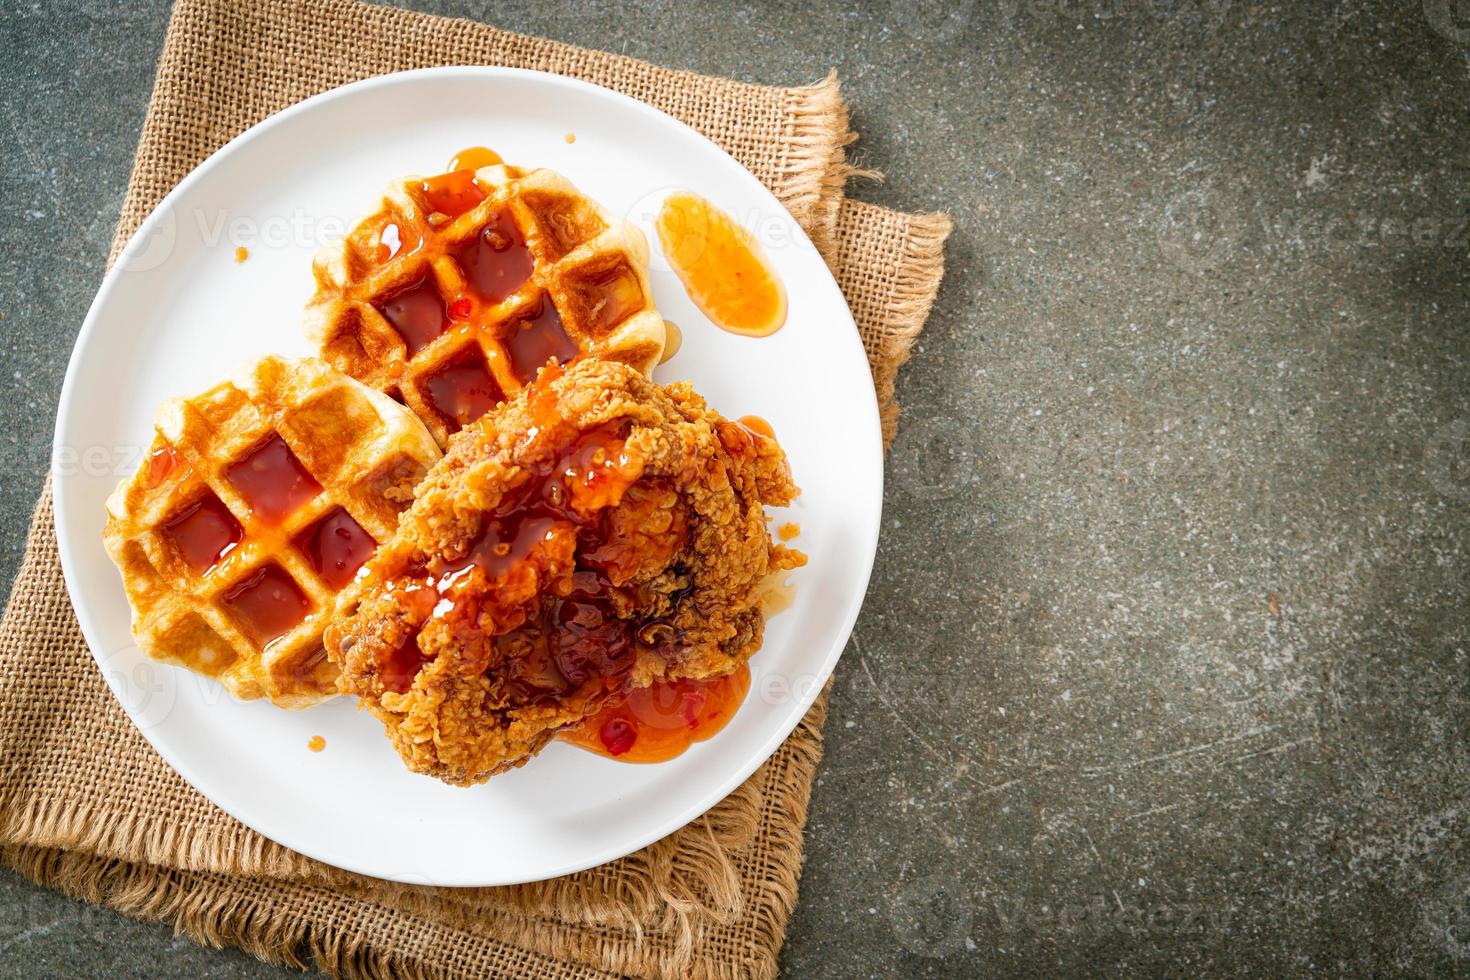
(1164, 662)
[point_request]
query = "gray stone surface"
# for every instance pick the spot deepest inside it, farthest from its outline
(1163, 667)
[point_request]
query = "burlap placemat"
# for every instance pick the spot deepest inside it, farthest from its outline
(86, 805)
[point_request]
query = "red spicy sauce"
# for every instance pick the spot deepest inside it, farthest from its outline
(535, 591)
(272, 480)
(537, 339)
(496, 261)
(417, 313)
(163, 462)
(660, 722)
(203, 533)
(453, 193)
(463, 390)
(336, 546)
(266, 604)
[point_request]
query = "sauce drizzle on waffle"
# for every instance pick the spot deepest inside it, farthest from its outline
(459, 287)
(257, 503)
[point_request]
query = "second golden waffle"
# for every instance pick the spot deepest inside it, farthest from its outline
(461, 286)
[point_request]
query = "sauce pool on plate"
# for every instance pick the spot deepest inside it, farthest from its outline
(659, 722)
(473, 158)
(673, 340)
(721, 266)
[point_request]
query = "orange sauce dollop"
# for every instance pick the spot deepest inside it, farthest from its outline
(473, 158)
(456, 191)
(657, 723)
(673, 340)
(163, 462)
(453, 193)
(721, 265)
(758, 425)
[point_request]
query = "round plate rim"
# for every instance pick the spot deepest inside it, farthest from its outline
(68, 547)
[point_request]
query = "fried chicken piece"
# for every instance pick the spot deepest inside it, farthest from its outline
(594, 534)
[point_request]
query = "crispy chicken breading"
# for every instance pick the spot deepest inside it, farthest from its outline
(594, 534)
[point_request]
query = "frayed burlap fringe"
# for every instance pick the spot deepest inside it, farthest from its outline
(260, 918)
(79, 826)
(674, 886)
(908, 308)
(265, 917)
(813, 161)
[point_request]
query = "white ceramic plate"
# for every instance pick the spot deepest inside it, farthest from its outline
(178, 313)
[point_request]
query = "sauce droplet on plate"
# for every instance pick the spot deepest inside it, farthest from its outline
(659, 722)
(721, 265)
(241, 254)
(673, 340)
(571, 137)
(757, 425)
(317, 743)
(473, 158)
(777, 594)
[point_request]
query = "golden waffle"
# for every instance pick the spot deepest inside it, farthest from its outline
(257, 502)
(461, 286)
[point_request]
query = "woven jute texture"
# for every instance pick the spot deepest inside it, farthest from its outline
(87, 807)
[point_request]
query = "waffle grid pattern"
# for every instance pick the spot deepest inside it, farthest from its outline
(365, 454)
(590, 267)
